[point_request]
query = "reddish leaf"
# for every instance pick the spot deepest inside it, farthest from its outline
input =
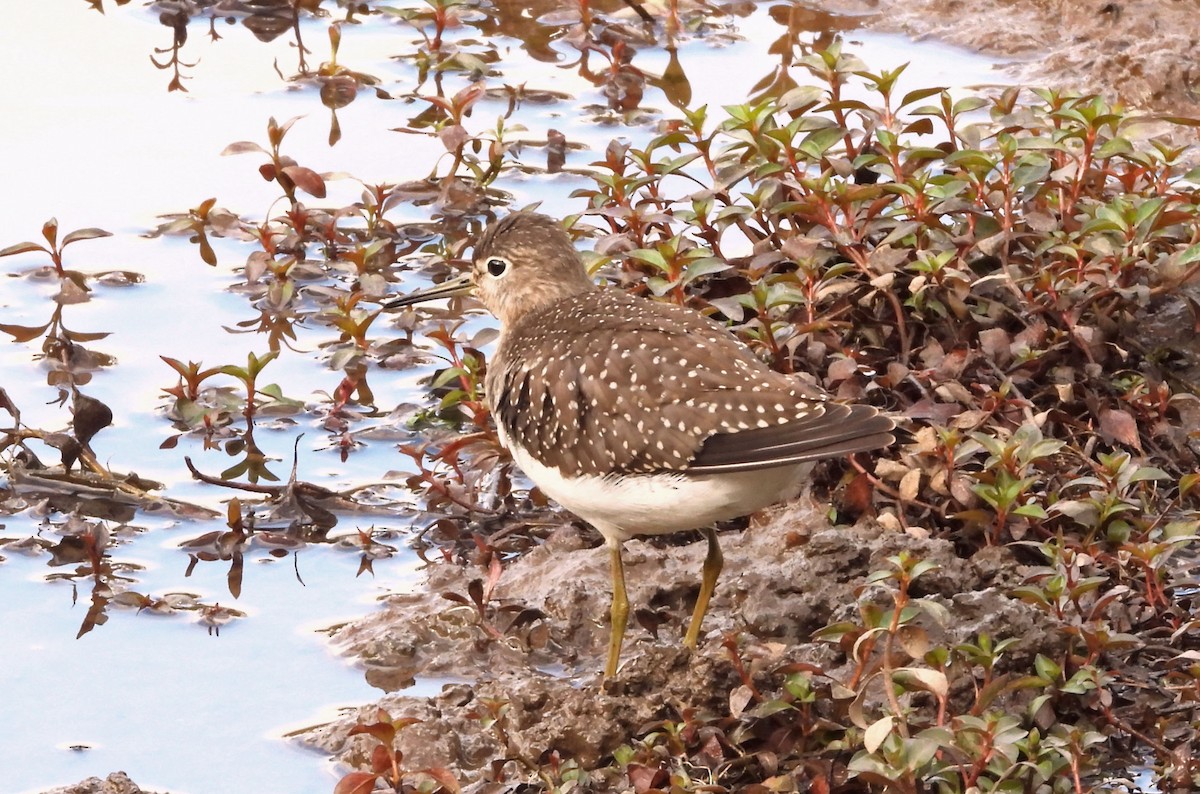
(22, 248)
(383, 731)
(469, 95)
(84, 336)
(1121, 427)
(241, 147)
(335, 129)
(287, 125)
(207, 255)
(90, 417)
(23, 333)
(645, 778)
(475, 590)
(920, 127)
(233, 511)
(89, 233)
(381, 759)
(176, 365)
(856, 499)
(453, 137)
(495, 570)
(306, 179)
(234, 577)
(440, 102)
(356, 783)
(444, 778)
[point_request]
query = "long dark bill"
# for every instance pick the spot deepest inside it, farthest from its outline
(447, 289)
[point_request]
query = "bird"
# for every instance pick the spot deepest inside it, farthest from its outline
(640, 417)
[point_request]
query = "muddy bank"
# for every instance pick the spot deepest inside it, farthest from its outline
(784, 579)
(1138, 51)
(116, 783)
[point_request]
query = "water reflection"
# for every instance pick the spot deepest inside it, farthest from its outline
(461, 40)
(267, 20)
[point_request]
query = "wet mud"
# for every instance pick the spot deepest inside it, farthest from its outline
(1137, 51)
(785, 577)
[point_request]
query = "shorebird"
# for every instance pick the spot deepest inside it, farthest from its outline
(640, 417)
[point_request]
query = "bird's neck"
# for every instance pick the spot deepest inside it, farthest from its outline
(515, 305)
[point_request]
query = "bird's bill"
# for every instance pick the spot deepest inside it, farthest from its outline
(461, 285)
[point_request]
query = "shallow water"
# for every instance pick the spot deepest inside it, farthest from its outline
(94, 139)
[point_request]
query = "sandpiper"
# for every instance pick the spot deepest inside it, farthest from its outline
(640, 417)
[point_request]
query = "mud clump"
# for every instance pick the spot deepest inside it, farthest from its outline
(116, 783)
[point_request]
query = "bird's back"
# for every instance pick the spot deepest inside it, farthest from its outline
(607, 383)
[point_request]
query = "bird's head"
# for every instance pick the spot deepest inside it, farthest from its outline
(522, 264)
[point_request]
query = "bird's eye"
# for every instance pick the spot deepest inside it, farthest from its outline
(497, 267)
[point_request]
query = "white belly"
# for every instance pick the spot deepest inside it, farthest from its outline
(621, 507)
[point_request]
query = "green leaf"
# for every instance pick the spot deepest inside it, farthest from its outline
(1031, 510)
(920, 93)
(969, 104)
(879, 730)
(771, 707)
(934, 681)
(1080, 683)
(704, 267)
(651, 257)
(1189, 255)
(1149, 473)
(1046, 668)
(447, 375)
(816, 143)
(235, 371)
(922, 567)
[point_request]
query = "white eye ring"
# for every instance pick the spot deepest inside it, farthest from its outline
(497, 266)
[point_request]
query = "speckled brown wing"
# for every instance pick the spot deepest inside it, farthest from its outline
(609, 383)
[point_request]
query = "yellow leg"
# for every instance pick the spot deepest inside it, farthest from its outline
(620, 609)
(713, 563)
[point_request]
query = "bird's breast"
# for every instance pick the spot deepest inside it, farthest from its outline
(621, 506)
